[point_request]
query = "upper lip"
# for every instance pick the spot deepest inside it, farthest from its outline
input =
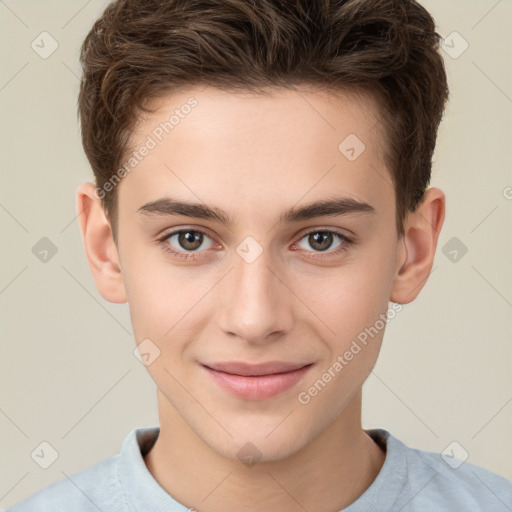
(251, 370)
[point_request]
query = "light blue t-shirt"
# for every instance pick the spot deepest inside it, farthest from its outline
(410, 480)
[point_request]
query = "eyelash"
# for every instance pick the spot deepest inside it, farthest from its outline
(346, 242)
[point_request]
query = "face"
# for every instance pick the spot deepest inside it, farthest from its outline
(252, 302)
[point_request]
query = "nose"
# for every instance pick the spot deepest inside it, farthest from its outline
(256, 305)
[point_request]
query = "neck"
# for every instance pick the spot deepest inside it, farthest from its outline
(330, 473)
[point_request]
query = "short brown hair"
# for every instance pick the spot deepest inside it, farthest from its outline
(141, 49)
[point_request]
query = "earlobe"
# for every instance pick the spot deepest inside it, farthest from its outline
(99, 245)
(422, 229)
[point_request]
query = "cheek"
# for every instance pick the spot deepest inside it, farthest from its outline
(351, 297)
(165, 300)
(354, 305)
(165, 308)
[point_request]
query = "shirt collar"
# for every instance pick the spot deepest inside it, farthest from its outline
(146, 494)
(143, 491)
(389, 483)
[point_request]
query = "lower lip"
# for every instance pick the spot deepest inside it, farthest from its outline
(258, 388)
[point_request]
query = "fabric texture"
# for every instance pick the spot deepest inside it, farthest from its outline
(410, 480)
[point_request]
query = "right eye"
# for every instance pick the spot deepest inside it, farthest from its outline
(186, 242)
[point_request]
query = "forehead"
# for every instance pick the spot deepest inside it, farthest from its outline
(245, 150)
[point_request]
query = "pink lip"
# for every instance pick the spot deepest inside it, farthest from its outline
(256, 381)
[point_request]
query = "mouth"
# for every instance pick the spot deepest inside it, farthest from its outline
(257, 381)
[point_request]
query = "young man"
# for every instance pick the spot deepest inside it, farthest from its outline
(260, 200)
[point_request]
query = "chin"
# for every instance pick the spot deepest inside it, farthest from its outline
(257, 445)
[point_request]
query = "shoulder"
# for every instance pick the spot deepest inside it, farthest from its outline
(449, 483)
(95, 488)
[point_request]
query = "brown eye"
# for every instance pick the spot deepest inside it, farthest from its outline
(190, 240)
(322, 240)
(184, 241)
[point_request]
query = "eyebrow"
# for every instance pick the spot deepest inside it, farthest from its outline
(168, 206)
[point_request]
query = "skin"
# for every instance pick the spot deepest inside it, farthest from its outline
(254, 157)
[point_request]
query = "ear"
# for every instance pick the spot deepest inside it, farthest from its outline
(99, 245)
(421, 233)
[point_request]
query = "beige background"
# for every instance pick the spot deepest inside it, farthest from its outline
(69, 376)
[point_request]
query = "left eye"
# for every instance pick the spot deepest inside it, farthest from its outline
(323, 240)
